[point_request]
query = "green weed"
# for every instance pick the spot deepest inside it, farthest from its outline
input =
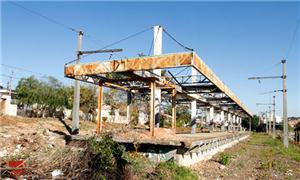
(170, 170)
(224, 158)
(276, 146)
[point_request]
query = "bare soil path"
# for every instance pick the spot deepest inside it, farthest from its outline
(258, 157)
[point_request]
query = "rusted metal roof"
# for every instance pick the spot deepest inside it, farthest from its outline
(122, 73)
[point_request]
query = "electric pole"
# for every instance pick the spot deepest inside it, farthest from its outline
(10, 82)
(274, 115)
(268, 125)
(285, 119)
(274, 119)
(76, 101)
(284, 103)
(270, 120)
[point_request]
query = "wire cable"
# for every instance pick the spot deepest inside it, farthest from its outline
(183, 46)
(26, 70)
(9, 76)
(41, 75)
(44, 17)
(126, 38)
(293, 39)
(91, 38)
(116, 42)
(152, 43)
(75, 30)
(268, 69)
(269, 92)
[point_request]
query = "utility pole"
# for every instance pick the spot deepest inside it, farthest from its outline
(285, 119)
(268, 125)
(76, 101)
(75, 120)
(284, 103)
(270, 120)
(274, 119)
(10, 82)
(274, 115)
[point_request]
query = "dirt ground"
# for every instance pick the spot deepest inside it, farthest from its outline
(253, 158)
(19, 134)
(258, 157)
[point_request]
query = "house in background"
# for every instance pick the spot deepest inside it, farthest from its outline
(7, 106)
(293, 121)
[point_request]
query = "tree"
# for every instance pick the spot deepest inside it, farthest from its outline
(46, 95)
(254, 123)
(27, 90)
(183, 115)
(52, 94)
(88, 100)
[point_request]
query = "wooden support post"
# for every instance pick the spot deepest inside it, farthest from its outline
(174, 109)
(99, 118)
(152, 108)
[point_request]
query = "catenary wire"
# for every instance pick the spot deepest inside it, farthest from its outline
(116, 42)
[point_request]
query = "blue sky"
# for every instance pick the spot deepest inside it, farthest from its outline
(235, 39)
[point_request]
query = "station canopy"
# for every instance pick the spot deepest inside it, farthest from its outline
(186, 72)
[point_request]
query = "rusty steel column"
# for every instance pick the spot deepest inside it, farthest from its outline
(99, 118)
(174, 109)
(152, 108)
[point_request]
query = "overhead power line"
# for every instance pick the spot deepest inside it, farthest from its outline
(41, 75)
(126, 38)
(116, 42)
(183, 46)
(269, 92)
(293, 39)
(90, 37)
(268, 69)
(9, 76)
(44, 17)
(25, 70)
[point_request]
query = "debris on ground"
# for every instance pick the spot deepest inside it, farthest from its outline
(38, 148)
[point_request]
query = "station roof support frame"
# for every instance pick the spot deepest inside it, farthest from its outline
(148, 63)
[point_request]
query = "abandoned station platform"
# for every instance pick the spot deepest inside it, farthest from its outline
(179, 78)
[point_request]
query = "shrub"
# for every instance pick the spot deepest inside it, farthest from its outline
(106, 158)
